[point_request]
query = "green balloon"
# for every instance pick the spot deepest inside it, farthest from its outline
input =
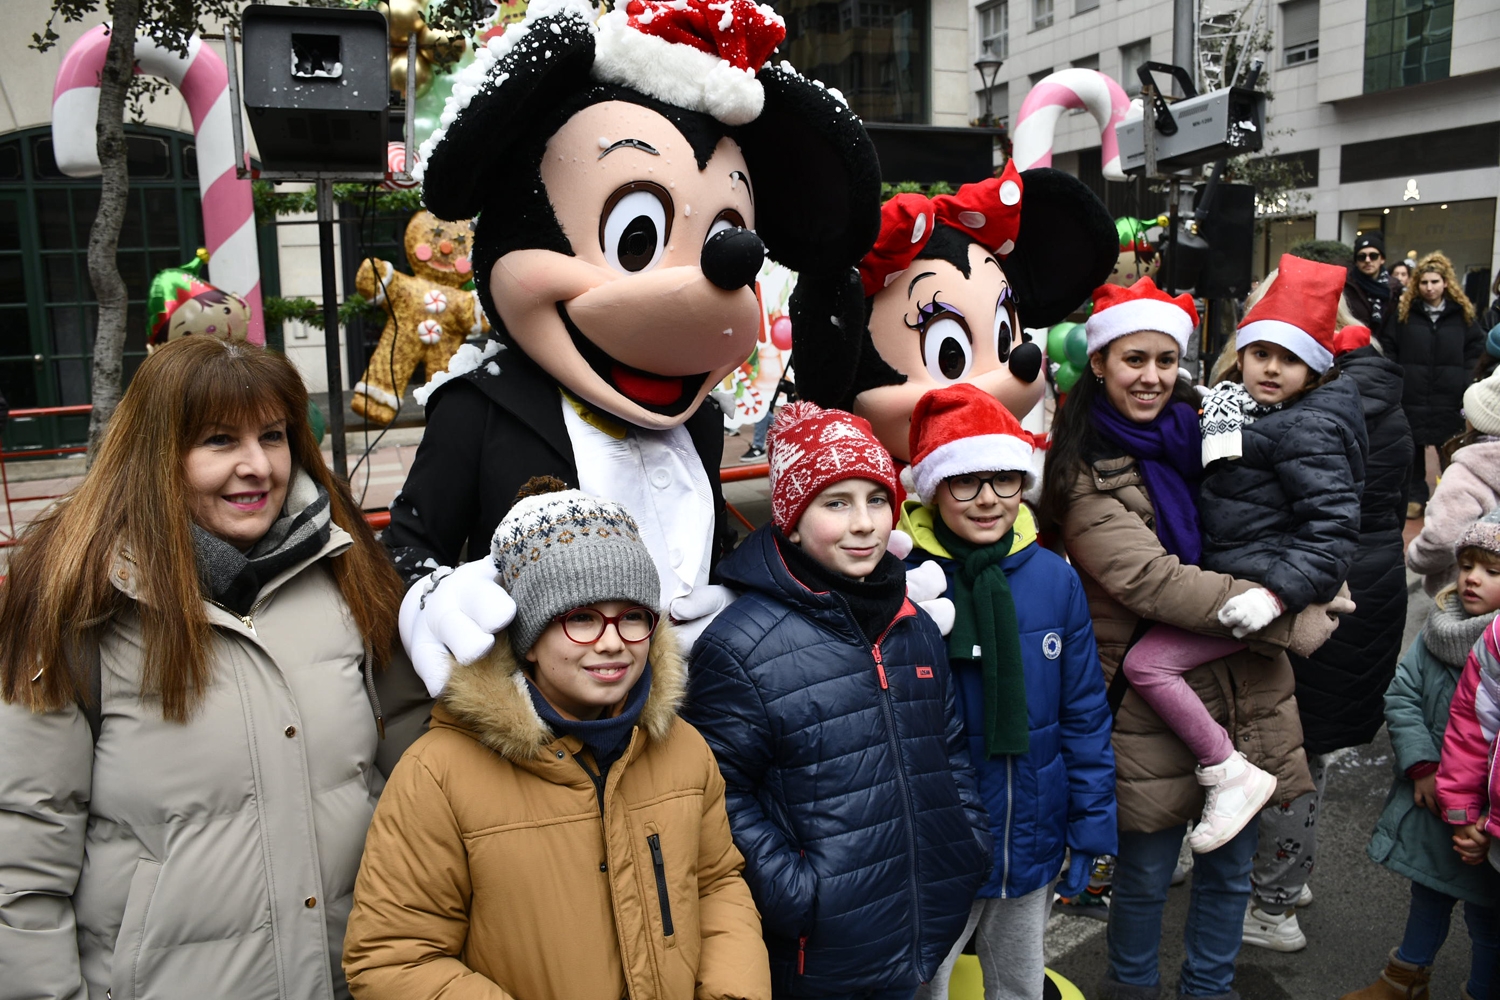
(1067, 376)
(1077, 346)
(1057, 341)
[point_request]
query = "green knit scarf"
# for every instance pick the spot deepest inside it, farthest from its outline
(985, 616)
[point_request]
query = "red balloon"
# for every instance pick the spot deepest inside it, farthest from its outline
(781, 333)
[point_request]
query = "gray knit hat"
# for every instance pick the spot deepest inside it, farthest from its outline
(559, 551)
(1482, 405)
(1483, 534)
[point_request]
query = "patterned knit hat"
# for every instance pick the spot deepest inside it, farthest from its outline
(1482, 405)
(1119, 312)
(561, 550)
(813, 448)
(1482, 534)
(961, 429)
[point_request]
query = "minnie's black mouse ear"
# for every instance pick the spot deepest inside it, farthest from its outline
(1066, 247)
(815, 174)
(550, 61)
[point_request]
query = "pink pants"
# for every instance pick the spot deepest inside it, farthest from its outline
(1155, 665)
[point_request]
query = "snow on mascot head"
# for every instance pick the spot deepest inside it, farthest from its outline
(630, 176)
(943, 296)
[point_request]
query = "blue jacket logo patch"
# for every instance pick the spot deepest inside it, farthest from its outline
(1051, 645)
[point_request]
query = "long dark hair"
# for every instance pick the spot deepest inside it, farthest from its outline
(1075, 441)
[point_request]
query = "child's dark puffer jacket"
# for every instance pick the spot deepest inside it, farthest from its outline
(1287, 513)
(850, 791)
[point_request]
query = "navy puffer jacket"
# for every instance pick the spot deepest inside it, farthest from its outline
(850, 791)
(1287, 513)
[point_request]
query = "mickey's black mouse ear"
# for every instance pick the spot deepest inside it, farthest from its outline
(1066, 248)
(815, 174)
(549, 62)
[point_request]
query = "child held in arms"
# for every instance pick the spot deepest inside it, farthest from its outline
(1026, 672)
(827, 699)
(1412, 837)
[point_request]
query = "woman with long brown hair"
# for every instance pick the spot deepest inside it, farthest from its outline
(1436, 341)
(190, 648)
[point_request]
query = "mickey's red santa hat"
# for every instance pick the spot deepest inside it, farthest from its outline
(1119, 312)
(961, 429)
(1298, 312)
(699, 54)
(813, 448)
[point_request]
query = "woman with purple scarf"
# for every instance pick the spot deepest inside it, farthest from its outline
(1121, 488)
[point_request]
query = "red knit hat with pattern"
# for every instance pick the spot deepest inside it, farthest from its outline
(813, 448)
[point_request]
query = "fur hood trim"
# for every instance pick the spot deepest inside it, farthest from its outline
(489, 698)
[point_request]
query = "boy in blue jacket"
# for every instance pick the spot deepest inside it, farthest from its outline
(826, 697)
(1030, 690)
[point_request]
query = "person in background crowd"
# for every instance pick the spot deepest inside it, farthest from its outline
(1400, 276)
(1411, 838)
(827, 699)
(1469, 489)
(199, 667)
(1490, 319)
(1119, 486)
(1032, 699)
(786, 387)
(558, 780)
(1437, 342)
(1367, 290)
(1490, 359)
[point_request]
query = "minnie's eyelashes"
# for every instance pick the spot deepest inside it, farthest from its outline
(932, 311)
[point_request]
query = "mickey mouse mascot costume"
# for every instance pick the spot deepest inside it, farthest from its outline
(629, 172)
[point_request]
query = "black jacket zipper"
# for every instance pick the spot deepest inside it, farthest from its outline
(654, 842)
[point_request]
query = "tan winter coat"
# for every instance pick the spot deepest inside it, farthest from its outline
(1110, 534)
(211, 858)
(492, 870)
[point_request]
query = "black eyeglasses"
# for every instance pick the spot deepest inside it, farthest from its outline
(966, 487)
(585, 625)
(1371, 255)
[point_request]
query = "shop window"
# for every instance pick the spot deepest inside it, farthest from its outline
(1463, 230)
(874, 51)
(994, 31)
(1467, 148)
(1406, 42)
(1299, 32)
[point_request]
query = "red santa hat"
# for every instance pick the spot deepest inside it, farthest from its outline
(698, 54)
(961, 429)
(1119, 312)
(1298, 312)
(813, 448)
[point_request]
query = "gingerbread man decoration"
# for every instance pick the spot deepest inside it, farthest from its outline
(429, 314)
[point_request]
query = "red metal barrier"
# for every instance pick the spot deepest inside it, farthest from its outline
(8, 533)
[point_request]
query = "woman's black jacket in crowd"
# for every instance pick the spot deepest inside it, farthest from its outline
(1287, 513)
(1437, 357)
(1341, 687)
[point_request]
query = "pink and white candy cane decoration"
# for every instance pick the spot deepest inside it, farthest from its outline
(200, 76)
(1069, 88)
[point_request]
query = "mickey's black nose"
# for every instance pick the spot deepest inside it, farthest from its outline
(732, 258)
(1026, 362)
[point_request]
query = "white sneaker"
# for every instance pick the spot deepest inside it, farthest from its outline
(1278, 933)
(1237, 790)
(1305, 898)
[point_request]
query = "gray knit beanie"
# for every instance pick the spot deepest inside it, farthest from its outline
(1483, 534)
(559, 551)
(1482, 405)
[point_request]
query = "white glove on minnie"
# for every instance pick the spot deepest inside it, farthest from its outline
(925, 587)
(1251, 611)
(692, 612)
(453, 614)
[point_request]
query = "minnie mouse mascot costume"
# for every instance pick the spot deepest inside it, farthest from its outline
(629, 172)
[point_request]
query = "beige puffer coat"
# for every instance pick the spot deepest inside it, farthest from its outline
(1110, 534)
(495, 869)
(212, 858)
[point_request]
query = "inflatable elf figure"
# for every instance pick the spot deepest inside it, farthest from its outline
(1138, 258)
(180, 303)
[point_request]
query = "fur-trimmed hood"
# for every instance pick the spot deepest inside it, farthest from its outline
(488, 698)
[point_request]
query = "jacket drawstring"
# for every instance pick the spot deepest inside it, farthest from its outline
(368, 670)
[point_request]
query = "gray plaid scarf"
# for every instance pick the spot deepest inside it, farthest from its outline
(234, 578)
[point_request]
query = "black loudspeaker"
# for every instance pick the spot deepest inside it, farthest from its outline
(1229, 231)
(317, 83)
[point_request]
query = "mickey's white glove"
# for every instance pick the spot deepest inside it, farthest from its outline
(692, 612)
(925, 587)
(453, 615)
(1251, 611)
